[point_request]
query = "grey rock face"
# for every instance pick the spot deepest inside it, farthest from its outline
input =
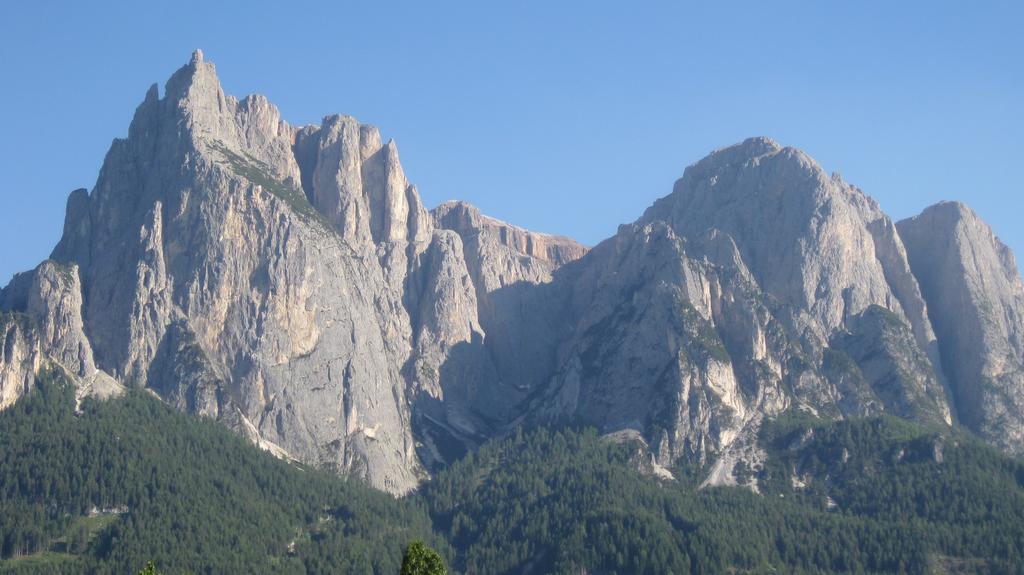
(663, 328)
(482, 287)
(758, 285)
(976, 302)
(450, 370)
(517, 254)
(518, 309)
(21, 357)
(43, 326)
(210, 278)
(884, 371)
(358, 183)
(447, 306)
(812, 241)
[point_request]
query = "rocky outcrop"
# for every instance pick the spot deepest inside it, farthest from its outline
(209, 277)
(647, 351)
(358, 184)
(641, 459)
(451, 373)
(21, 357)
(514, 254)
(976, 302)
(42, 312)
(519, 309)
(878, 369)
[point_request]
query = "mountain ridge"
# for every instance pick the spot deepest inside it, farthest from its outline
(289, 282)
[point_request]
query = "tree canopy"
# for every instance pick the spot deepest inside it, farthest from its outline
(124, 482)
(422, 560)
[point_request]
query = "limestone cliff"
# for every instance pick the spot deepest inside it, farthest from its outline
(976, 298)
(285, 280)
(522, 317)
(41, 321)
(209, 275)
(760, 284)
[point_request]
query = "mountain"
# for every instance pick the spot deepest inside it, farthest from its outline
(286, 281)
(289, 283)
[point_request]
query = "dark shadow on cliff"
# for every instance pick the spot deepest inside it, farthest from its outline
(488, 383)
(447, 426)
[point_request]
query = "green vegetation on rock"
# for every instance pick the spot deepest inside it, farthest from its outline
(259, 173)
(703, 333)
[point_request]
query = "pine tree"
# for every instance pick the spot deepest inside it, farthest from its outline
(422, 560)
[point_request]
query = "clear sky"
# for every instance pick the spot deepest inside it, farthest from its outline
(562, 117)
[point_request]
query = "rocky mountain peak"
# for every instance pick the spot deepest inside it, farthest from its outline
(976, 303)
(958, 218)
(811, 241)
(195, 85)
(744, 151)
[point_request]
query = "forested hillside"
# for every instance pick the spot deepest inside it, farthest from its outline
(564, 501)
(130, 480)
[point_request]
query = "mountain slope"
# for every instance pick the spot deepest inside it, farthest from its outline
(121, 482)
(567, 502)
(125, 481)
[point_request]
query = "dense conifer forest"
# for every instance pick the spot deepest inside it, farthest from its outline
(113, 485)
(130, 480)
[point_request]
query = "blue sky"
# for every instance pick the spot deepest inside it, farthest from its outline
(565, 118)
